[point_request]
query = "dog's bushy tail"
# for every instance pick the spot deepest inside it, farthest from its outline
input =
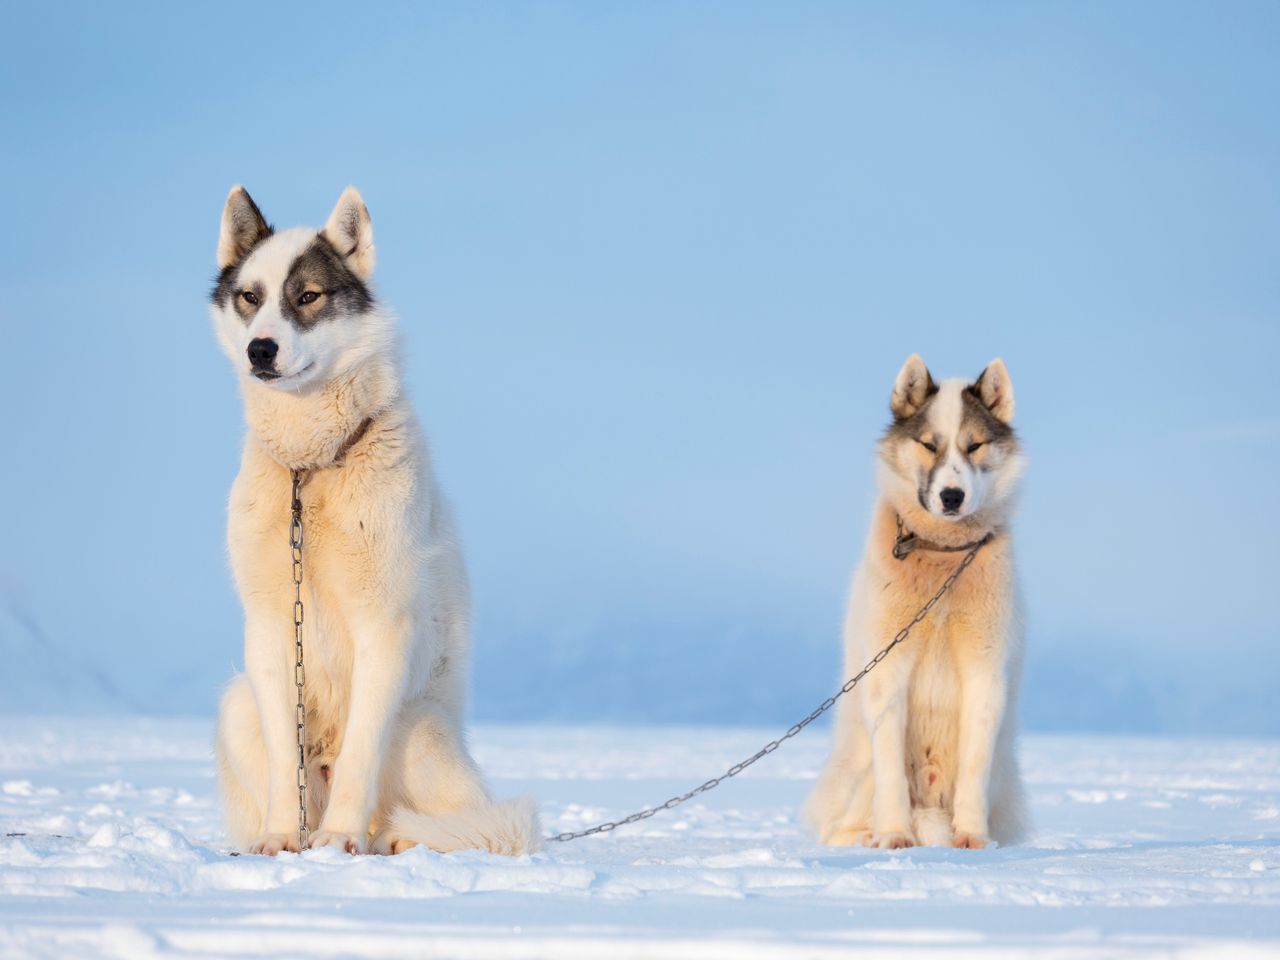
(508, 827)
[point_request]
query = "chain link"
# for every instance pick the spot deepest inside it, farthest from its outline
(610, 825)
(299, 671)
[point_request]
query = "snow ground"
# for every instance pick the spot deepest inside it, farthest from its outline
(1142, 848)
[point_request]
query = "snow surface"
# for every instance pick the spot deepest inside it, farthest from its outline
(1142, 848)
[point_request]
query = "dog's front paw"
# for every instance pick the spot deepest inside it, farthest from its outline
(346, 842)
(848, 837)
(969, 841)
(387, 844)
(269, 844)
(893, 840)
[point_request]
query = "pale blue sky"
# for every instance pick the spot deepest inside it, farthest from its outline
(657, 265)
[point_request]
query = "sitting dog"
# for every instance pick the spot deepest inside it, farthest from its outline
(384, 589)
(924, 746)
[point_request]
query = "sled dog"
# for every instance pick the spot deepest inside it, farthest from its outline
(924, 746)
(385, 593)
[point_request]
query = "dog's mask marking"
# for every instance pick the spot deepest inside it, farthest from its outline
(317, 284)
(321, 271)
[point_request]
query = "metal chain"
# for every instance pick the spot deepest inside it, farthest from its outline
(299, 672)
(772, 745)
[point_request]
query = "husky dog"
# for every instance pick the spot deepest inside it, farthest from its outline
(924, 747)
(385, 593)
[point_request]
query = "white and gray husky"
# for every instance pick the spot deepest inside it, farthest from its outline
(385, 592)
(924, 746)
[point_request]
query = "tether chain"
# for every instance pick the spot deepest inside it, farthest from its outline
(773, 745)
(299, 673)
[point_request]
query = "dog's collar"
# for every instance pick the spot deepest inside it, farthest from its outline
(355, 437)
(352, 440)
(906, 542)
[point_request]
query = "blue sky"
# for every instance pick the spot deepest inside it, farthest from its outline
(657, 266)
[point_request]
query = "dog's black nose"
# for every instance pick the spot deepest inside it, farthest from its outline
(952, 497)
(262, 353)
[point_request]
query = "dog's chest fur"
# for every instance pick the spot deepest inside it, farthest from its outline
(940, 647)
(350, 547)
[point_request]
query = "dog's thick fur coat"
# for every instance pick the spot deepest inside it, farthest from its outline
(385, 590)
(924, 747)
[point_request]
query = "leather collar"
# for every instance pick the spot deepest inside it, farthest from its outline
(352, 440)
(356, 436)
(906, 542)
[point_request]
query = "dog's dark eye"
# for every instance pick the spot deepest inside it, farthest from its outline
(309, 297)
(249, 297)
(974, 446)
(928, 446)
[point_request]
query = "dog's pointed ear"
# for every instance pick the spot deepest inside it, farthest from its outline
(350, 230)
(243, 228)
(995, 390)
(912, 388)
